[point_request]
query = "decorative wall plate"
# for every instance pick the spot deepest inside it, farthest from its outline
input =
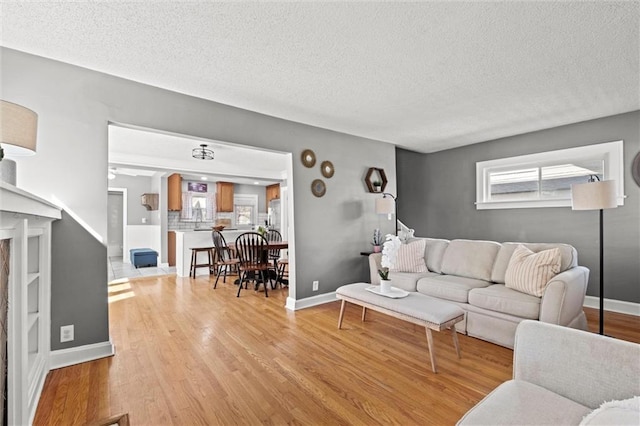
(327, 169)
(318, 188)
(635, 169)
(308, 158)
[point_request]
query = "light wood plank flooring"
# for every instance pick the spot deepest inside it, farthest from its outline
(187, 354)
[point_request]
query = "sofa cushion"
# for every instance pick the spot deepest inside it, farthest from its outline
(470, 258)
(499, 298)
(568, 255)
(530, 272)
(449, 287)
(407, 281)
(410, 257)
(434, 252)
(517, 402)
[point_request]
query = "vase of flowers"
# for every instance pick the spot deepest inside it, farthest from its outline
(389, 252)
(377, 240)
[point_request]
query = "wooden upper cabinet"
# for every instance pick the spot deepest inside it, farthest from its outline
(273, 193)
(224, 197)
(174, 189)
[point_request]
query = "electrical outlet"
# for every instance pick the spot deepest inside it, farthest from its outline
(315, 285)
(66, 333)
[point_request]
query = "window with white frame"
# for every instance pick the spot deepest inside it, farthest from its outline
(545, 179)
(245, 211)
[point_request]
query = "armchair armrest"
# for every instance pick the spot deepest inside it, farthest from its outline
(563, 298)
(579, 365)
(374, 265)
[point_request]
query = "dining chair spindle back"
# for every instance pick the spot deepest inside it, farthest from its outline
(252, 251)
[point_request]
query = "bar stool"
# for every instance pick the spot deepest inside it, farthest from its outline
(194, 260)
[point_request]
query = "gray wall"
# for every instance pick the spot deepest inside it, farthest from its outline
(437, 194)
(136, 186)
(75, 105)
(77, 258)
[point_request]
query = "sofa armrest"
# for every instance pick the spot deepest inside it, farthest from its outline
(563, 298)
(374, 265)
(585, 367)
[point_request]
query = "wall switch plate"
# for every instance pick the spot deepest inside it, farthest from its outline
(315, 286)
(66, 333)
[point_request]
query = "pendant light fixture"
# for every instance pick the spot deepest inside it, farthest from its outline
(202, 153)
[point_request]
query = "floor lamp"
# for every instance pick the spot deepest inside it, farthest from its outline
(387, 206)
(596, 195)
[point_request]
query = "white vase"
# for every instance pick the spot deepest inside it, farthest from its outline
(385, 286)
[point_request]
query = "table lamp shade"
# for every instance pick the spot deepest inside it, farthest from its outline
(594, 195)
(18, 129)
(385, 205)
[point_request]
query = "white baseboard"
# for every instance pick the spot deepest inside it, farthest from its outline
(79, 354)
(612, 305)
(294, 305)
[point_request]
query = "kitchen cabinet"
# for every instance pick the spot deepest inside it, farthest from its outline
(273, 193)
(171, 248)
(224, 197)
(174, 189)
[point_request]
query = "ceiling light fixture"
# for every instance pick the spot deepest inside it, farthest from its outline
(202, 153)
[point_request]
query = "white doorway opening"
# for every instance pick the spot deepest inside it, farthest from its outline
(116, 221)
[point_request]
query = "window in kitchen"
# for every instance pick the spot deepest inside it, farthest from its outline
(245, 210)
(545, 179)
(244, 215)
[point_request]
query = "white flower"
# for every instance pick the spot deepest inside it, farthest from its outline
(390, 251)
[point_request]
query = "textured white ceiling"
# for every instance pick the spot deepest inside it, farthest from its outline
(426, 76)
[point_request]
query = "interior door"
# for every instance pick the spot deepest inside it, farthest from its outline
(115, 224)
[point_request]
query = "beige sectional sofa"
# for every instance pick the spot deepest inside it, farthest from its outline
(471, 274)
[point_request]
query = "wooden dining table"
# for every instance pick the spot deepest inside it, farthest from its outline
(271, 245)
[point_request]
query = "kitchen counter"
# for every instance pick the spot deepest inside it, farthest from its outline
(186, 240)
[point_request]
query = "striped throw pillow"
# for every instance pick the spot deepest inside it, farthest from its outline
(410, 257)
(530, 272)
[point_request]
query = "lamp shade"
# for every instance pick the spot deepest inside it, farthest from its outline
(594, 195)
(385, 205)
(18, 129)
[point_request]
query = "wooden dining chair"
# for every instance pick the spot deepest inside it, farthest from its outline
(225, 257)
(274, 235)
(252, 251)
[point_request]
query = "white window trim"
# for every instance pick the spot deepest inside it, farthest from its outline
(613, 170)
(245, 199)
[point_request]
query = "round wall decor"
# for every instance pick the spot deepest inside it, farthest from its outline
(327, 169)
(318, 188)
(635, 169)
(308, 158)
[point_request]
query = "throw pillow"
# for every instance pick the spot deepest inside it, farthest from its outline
(410, 257)
(530, 272)
(625, 412)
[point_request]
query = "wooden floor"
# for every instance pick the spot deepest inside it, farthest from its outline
(187, 354)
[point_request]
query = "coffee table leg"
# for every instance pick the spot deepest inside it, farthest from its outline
(455, 340)
(344, 302)
(364, 313)
(432, 353)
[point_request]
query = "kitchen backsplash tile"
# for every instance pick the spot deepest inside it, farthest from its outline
(175, 224)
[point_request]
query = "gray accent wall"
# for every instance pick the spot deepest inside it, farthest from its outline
(75, 105)
(437, 194)
(76, 260)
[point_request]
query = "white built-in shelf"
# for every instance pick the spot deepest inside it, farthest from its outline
(25, 221)
(32, 319)
(32, 277)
